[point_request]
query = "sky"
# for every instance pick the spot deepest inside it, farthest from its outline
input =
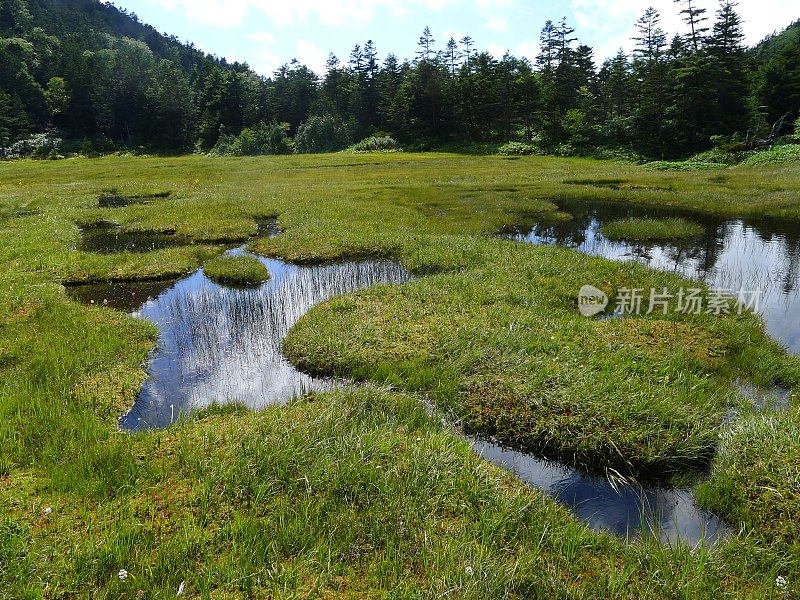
(268, 33)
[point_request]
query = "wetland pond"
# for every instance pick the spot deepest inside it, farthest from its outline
(221, 345)
(760, 256)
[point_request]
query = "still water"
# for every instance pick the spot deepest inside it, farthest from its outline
(220, 345)
(628, 511)
(760, 256)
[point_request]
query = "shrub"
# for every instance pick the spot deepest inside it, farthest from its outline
(776, 155)
(518, 149)
(262, 139)
(323, 133)
(38, 145)
(377, 143)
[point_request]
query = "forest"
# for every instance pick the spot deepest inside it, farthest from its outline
(87, 77)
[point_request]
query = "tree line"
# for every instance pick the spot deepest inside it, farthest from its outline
(97, 74)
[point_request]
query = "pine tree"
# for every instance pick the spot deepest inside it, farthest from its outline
(357, 60)
(649, 68)
(726, 46)
(370, 59)
(650, 39)
(426, 44)
(467, 43)
(565, 52)
(727, 37)
(451, 56)
(548, 47)
(694, 17)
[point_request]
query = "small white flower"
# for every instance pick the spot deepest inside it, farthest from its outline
(123, 575)
(48, 511)
(781, 582)
(182, 588)
(469, 571)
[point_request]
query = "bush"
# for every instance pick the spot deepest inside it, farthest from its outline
(38, 145)
(518, 149)
(323, 133)
(776, 155)
(262, 139)
(377, 143)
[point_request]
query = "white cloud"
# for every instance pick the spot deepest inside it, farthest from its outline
(230, 13)
(497, 24)
(261, 37)
(311, 55)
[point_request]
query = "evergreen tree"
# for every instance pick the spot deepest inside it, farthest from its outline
(695, 18)
(451, 56)
(426, 46)
(649, 66)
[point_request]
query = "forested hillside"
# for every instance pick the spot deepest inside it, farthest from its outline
(95, 76)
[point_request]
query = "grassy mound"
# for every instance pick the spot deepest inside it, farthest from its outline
(756, 477)
(645, 230)
(244, 271)
(502, 344)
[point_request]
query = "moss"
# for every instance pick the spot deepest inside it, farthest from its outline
(643, 230)
(244, 271)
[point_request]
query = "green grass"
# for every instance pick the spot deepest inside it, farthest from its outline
(644, 230)
(501, 343)
(245, 271)
(756, 478)
(364, 494)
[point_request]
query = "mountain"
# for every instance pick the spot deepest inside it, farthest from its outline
(96, 72)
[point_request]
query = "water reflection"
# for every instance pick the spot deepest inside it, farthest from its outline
(127, 296)
(108, 238)
(738, 254)
(626, 511)
(220, 345)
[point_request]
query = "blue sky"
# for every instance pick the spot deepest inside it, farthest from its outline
(267, 33)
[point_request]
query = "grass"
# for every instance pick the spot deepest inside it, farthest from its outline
(245, 271)
(364, 494)
(756, 478)
(644, 230)
(501, 343)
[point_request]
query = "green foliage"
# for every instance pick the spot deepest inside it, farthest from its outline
(377, 143)
(263, 139)
(722, 158)
(518, 149)
(57, 96)
(779, 154)
(95, 72)
(323, 133)
(243, 271)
